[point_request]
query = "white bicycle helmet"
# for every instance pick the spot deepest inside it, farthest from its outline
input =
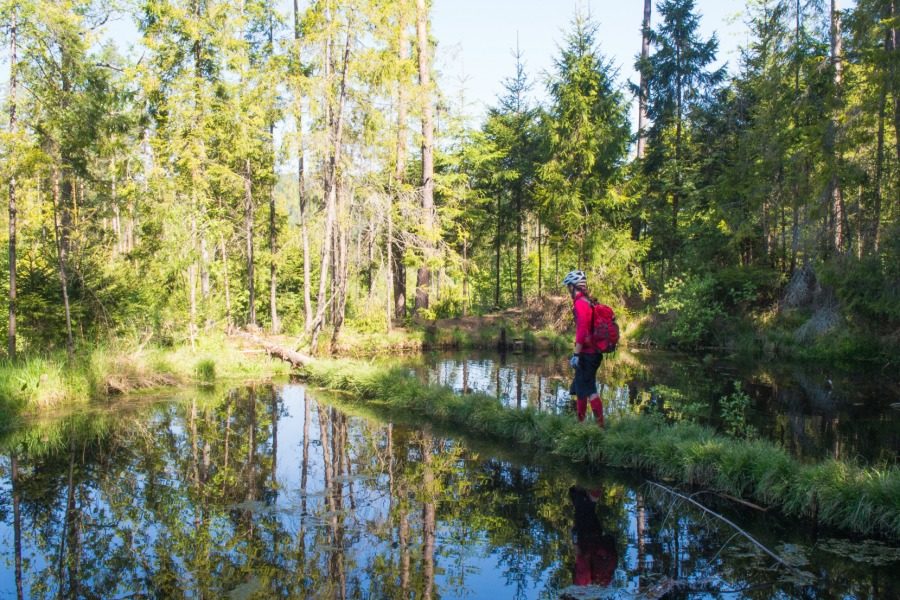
(576, 278)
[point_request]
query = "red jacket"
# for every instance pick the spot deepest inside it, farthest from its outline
(584, 320)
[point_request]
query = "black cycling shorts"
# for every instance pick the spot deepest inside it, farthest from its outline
(584, 384)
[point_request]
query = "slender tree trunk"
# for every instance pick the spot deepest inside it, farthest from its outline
(519, 248)
(540, 277)
(497, 256)
(395, 249)
(465, 276)
(837, 198)
(676, 195)
(389, 275)
(423, 277)
(336, 122)
(204, 268)
(192, 279)
(249, 216)
(11, 332)
(644, 85)
(225, 280)
(341, 275)
(273, 284)
(895, 87)
(871, 237)
(795, 201)
(301, 190)
(61, 251)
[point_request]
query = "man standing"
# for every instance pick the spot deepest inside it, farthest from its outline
(587, 356)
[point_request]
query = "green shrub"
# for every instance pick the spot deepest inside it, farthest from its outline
(692, 300)
(734, 409)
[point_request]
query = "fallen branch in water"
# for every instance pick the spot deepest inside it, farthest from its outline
(731, 523)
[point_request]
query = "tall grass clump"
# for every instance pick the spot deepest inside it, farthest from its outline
(35, 380)
(833, 493)
(205, 370)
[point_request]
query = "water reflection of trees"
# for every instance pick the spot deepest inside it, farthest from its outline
(813, 413)
(269, 494)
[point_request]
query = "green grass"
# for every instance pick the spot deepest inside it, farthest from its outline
(832, 493)
(37, 383)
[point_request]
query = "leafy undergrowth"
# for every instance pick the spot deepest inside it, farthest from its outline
(832, 493)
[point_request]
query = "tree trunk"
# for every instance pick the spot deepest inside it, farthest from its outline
(335, 120)
(389, 275)
(248, 232)
(341, 275)
(871, 237)
(895, 88)
(540, 281)
(423, 277)
(11, 334)
(225, 281)
(395, 249)
(465, 275)
(497, 256)
(273, 284)
(301, 192)
(644, 86)
(61, 255)
(519, 248)
(837, 198)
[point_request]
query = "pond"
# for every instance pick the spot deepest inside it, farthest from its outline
(281, 491)
(814, 412)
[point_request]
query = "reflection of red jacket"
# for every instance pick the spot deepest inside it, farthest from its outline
(595, 552)
(595, 561)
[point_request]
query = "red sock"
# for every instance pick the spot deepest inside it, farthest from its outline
(581, 408)
(597, 407)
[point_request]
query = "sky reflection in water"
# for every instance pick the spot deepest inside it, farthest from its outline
(270, 492)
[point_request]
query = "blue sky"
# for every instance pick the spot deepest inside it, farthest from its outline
(476, 39)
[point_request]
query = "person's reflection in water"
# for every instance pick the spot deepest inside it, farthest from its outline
(595, 551)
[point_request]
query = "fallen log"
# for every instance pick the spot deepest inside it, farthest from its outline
(296, 359)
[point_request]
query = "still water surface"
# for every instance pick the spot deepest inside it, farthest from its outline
(276, 491)
(815, 412)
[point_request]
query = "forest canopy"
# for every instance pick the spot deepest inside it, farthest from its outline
(151, 196)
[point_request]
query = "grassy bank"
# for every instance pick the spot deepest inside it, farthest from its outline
(41, 382)
(832, 493)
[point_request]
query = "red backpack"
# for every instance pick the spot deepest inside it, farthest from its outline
(604, 329)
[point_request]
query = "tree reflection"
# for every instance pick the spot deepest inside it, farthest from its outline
(186, 498)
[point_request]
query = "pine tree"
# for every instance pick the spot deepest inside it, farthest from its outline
(588, 137)
(677, 79)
